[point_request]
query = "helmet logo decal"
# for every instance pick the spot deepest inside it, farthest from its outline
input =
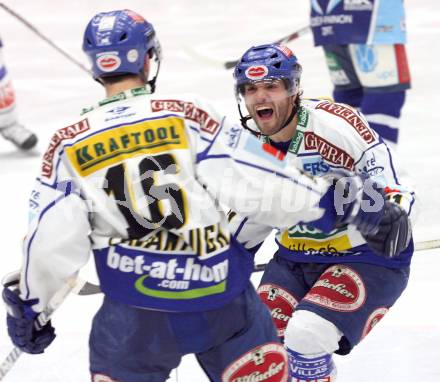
(108, 61)
(106, 23)
(103, 40)
(135, 16)
(256, 72)
(132, 55)
(285, 50)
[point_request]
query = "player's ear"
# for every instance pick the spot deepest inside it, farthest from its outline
(293, 99)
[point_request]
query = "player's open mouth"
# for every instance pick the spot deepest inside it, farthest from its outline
(264, 112)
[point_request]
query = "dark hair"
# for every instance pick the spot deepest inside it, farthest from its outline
(111, 80)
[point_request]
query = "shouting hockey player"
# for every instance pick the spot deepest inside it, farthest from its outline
(10, 129)
(337, 285)
(138, 180)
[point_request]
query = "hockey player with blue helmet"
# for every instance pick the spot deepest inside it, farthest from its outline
(137, 180)
(270, 66)
(325, 290)
(119, 43)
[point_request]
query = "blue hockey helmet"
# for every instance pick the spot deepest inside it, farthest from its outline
(117, 43)
(268, 62)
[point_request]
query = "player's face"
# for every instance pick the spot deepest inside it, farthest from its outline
(268, 103)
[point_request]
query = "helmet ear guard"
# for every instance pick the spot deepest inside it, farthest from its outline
(118, 42)
(154, 53)
(263, 63)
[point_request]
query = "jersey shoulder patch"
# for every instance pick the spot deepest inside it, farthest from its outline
(351, 116)
(52, 153)
(189, 110)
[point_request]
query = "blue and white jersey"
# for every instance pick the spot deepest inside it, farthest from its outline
(369, 22)
(333, 137)
(137, 180)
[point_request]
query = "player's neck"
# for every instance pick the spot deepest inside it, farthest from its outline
(122, 86)
(286, 133)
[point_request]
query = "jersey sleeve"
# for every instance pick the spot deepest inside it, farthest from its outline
(379, 164)
(247, 232)
(347, 132)
(57, 243)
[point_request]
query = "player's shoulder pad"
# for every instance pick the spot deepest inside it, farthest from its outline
(345, 119)
(317, 99)
(199, 112)
(60, 138)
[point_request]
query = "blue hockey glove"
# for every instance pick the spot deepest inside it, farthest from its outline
(23, 328)
(359, 201)
(353, 200)
(394, 232)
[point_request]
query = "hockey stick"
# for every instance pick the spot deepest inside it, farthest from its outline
(77, 286)
(41, 35)
(230, 64)
(284, 40)
(90, 289)
(420, 246)
(425, 245)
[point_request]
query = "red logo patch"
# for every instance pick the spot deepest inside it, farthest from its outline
(108, 62)
(190, 111)
(328, 151)
(339, 288)
(256, 72)
(264, 363)
(285, 50)
(136, 17)
(350, 116)
(61, 135)
(7, 96)
(273, 151)
(280, 303)
(374, 319)
(389, 190)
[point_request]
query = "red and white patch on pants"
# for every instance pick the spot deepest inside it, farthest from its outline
(264, 363)
(7, 96)
(281, 304)
(339, 288)
(373, 319)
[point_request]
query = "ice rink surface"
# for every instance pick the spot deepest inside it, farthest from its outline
(196, 37)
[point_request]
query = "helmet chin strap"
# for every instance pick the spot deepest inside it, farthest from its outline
(245, 119)
(151, 83)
